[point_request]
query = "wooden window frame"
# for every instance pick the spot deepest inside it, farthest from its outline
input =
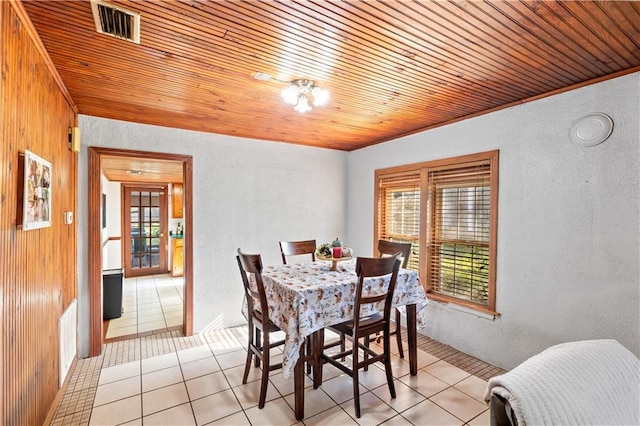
(427, 217)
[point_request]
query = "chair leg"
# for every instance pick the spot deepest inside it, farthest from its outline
(356, 381)
(398, 333)
(309, 353)
(387, 365)
(264, 381)
(343, 344)
(247, 365)
(318, 349)
(366, 354)
(258, 345)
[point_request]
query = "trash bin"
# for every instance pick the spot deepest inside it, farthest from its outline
(112, 293)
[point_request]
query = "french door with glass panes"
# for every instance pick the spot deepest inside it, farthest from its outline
(145, 224)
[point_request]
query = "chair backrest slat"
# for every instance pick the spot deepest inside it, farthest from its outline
(386, 247)
(295, 248)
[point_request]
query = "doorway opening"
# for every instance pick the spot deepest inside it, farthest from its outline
(145, 180)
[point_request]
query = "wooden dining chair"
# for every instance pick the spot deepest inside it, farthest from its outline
(296, 248)
(362, 327)
(259, 322)
(391, 248)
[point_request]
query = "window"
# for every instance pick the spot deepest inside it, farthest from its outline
(447, 210)
(400, 207)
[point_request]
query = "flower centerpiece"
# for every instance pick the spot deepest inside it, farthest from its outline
(324, 251)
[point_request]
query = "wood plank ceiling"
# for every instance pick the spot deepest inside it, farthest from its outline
(145, 170)
(392, 67)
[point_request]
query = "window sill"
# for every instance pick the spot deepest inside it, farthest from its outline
(471, 310)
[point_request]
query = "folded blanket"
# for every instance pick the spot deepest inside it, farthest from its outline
(576, 383)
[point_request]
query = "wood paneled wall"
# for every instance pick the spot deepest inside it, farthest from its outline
(37, 267)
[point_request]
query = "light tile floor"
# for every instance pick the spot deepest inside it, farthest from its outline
(169, 379)
(151, 304)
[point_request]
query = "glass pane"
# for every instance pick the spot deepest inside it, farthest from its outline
(401, 218)
(464, 271)
(138, 249)
(154, 252)
(403, 212)
(465, 213)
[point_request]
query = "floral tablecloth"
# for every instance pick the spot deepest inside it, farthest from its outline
(307, 297)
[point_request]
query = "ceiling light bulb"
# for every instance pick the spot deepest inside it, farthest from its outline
(303, 104)
(320, 96)
(290, 95)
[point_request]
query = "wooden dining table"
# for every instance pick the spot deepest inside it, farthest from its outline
(304, 298)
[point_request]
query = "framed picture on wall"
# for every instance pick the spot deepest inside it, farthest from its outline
(36, 200)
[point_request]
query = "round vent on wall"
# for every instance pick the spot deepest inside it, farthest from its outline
(591, 129)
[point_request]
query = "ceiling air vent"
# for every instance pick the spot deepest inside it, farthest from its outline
(116, 21)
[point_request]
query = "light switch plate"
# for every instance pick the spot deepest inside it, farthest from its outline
(68, 218)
